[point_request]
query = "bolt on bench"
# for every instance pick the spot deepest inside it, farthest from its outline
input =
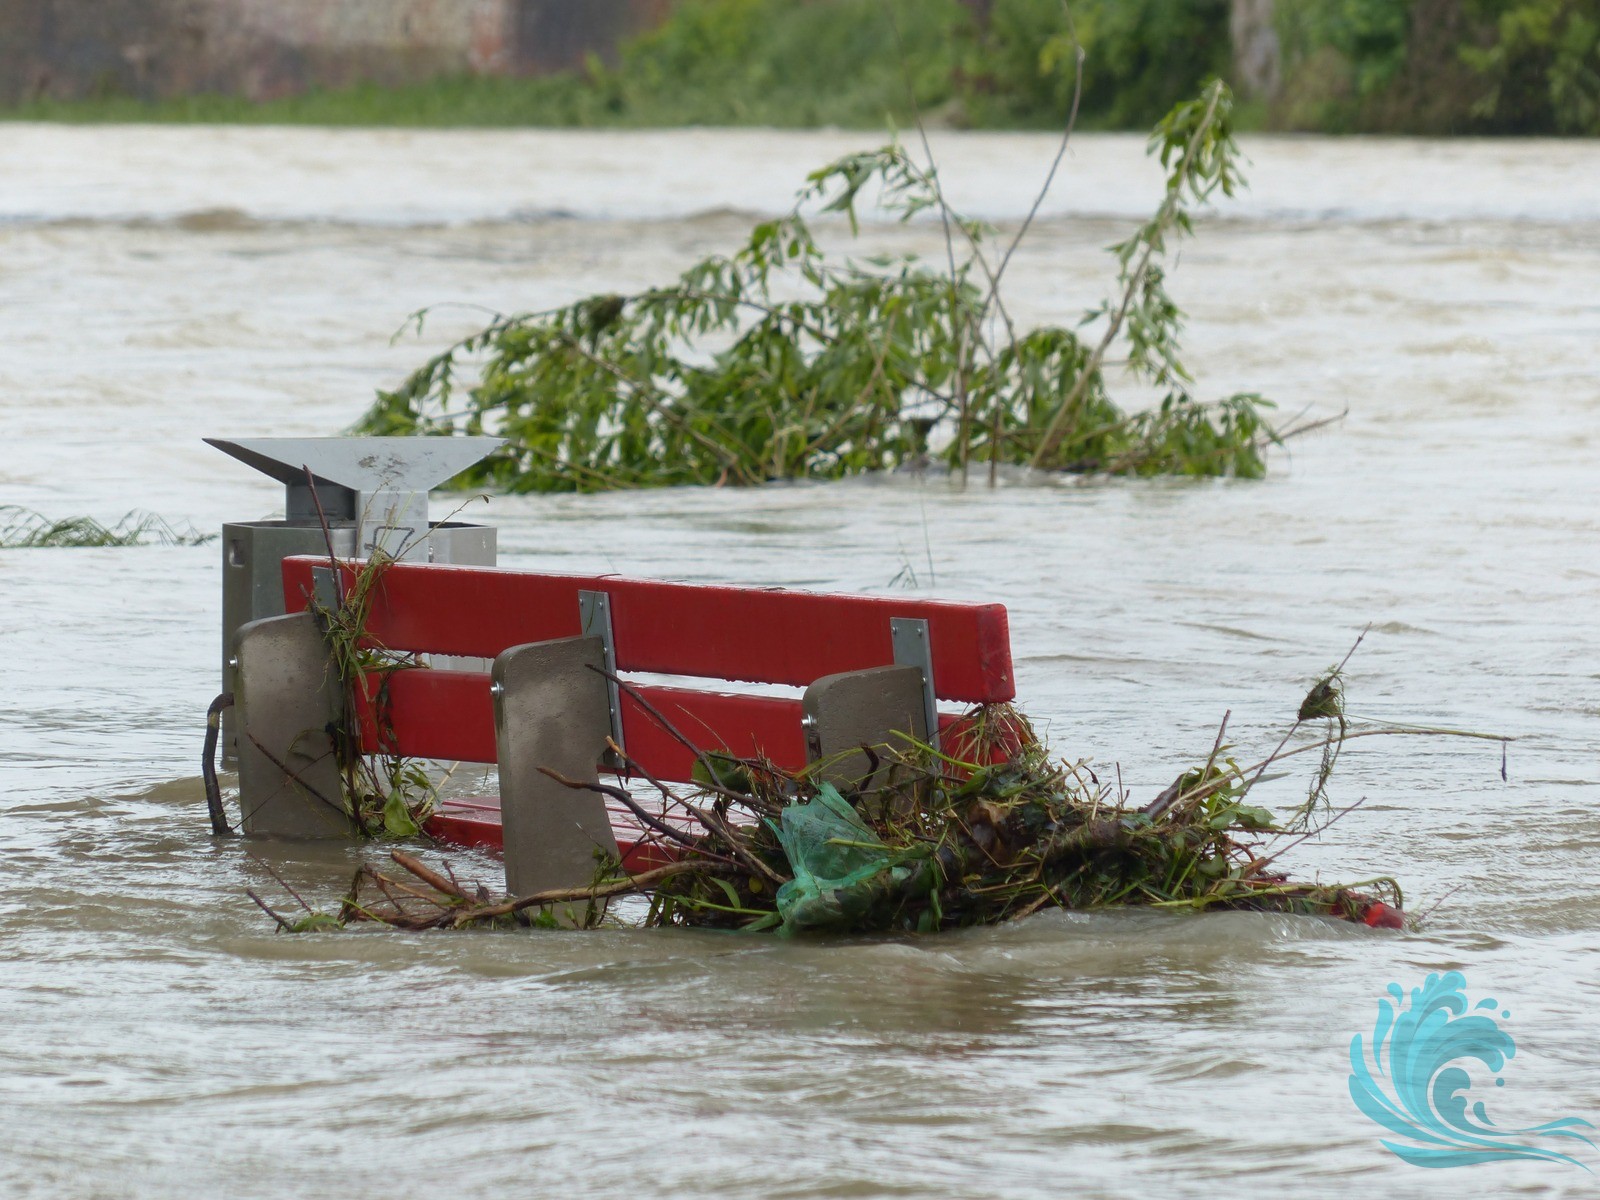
(870, 666)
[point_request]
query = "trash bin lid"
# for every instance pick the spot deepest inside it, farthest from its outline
(362, 464)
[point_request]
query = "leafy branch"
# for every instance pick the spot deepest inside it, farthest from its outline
(782, 360)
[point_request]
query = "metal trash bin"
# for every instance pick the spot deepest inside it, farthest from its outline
(373, 493)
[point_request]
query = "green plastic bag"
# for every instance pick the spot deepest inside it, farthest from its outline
(832, 853)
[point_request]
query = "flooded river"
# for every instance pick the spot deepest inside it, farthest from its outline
(158, 1039)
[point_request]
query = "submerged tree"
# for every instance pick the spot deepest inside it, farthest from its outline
(779, 361)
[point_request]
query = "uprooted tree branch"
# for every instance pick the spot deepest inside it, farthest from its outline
(783, 361)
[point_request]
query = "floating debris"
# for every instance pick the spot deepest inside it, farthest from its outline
(987, 830)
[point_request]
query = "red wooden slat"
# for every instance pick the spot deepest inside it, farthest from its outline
(758, 635)
(477, 826)
(747, 726)
(449, 715)
(461, 827)
(446, 715)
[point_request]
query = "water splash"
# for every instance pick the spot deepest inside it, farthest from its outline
(1410, 1085)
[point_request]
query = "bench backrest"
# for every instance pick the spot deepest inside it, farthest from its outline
(753, 635)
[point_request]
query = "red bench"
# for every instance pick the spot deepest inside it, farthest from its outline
(543, 705)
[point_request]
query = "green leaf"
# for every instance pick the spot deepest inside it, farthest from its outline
(397, 818)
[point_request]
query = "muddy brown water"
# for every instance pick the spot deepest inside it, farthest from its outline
(158, 1039)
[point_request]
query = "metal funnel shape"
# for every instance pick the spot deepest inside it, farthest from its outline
(367, 465)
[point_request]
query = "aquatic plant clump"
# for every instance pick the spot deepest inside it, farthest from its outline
(23, 529)
(383, 793)
(781, 361)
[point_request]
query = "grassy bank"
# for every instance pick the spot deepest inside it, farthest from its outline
(849, 63)
(454, 101)
(1347, 66)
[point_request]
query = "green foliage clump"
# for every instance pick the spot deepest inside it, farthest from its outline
(906, 836)
(1371, 35)
(1442, 66)
(1142, 57)
(780, 362)
(1419, 66)
(986, 828)
(383, 793)
(772, 62)
(1542, 66)
(856, 62)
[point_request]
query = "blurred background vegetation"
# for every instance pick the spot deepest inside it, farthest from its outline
(1440, 66)
(1391, 66)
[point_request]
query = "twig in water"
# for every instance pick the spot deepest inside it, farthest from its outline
(1434, 907)
(625, 798)
(282, 882)
(294, 775)
(450, 887)
(1260, 864)
(264, 907)
(1135, 282)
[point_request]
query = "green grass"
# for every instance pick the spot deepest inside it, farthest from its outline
(23, 529)
(451, 101)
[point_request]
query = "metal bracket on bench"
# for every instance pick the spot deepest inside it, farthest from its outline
(594, 615)
(912, 648)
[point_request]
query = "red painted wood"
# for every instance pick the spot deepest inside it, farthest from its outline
(475, 824)
(446, 715)
(997, 742)
(645, 856)
(751, 634)
(745, 726)
(760, 635)
(475, 831)
(449, 715)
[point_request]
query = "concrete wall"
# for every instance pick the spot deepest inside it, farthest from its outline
(266, 48)
(550, 35)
